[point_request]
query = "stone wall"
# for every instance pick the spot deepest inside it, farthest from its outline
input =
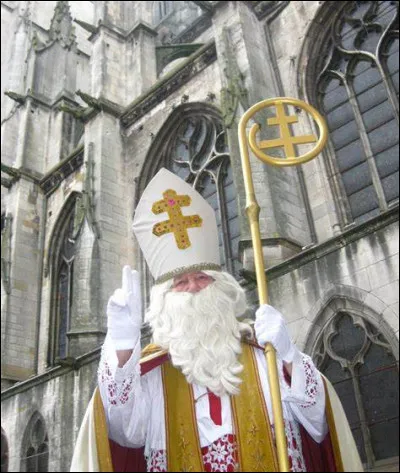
(60, 397)
(363, 273)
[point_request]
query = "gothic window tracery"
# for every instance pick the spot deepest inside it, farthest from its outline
(64, 283)
(62, 255)
(359, 362)
(197, 152)
(193, 146)
(357, 91)
(200, 156)
(35, 446)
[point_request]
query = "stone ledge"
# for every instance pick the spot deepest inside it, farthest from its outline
(62, 170)
(53, 373)
(336, 243)
(118, 33)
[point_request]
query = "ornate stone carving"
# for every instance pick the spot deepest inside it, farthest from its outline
(235, 91)
(14, 173)
(61, 28)
(87, 209)
(96, 105)
(16, 97)
(77, 112)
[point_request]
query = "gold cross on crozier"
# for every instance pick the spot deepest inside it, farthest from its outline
(287, 140)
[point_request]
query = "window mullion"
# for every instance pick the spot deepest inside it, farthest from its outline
(224, 221)
(339, 193)
(367, 147)
(387, 82)
(68, 314)
(334, 175)
(58, 321)
(385, 73)
(363, 418)
(36, 459)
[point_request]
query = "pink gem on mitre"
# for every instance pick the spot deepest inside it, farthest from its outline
(171, 202)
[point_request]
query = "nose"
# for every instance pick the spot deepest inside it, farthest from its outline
(193, 285)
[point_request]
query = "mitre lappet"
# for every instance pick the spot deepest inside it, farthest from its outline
(176, 228)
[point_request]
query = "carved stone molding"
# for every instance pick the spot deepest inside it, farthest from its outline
(57, 175)
(166, 86)
(14, 174)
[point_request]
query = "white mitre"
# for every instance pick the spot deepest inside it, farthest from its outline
(175, 228)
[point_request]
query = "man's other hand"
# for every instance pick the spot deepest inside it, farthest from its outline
(270, 327)
(124, 311)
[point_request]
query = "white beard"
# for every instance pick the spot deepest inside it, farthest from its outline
(201, 331)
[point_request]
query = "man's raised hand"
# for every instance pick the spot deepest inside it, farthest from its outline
(124, 311)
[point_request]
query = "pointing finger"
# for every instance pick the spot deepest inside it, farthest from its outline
(126, 279)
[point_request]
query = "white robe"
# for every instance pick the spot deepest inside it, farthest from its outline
(134, 409)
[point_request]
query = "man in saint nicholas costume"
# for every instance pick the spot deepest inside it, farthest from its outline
(198, 397)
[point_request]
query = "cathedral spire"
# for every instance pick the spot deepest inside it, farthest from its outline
(61, 28)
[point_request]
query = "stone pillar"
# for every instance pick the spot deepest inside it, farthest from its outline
(141, 67)
(109, 252)
(123, 59)
(19, 301)
(248, 77)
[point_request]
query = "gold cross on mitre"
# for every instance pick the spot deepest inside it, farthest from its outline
(177, 223)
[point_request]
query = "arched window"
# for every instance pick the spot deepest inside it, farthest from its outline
(359, 362)
(4, 452)
(193, 146)
(161, 10)
(199, 155)
(357, 91)
(61, 259)
(35, 446)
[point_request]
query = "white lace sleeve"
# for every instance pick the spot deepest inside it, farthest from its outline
(306, 395)
(125, 406)
(117, 384)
